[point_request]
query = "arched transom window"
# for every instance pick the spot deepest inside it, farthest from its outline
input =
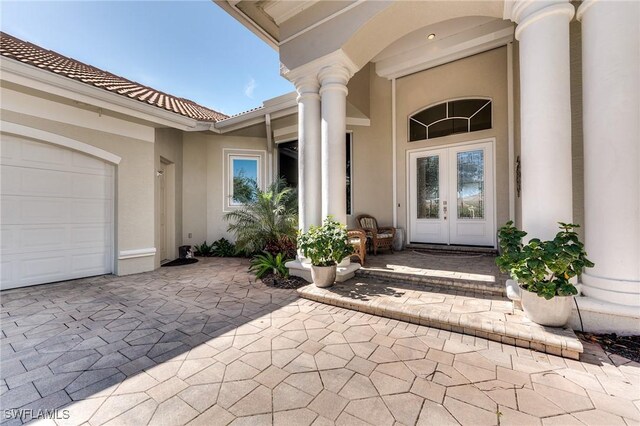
(448, 118)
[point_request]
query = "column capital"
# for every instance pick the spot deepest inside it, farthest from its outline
(526, 12)
(315, 67)
(334, 77)
(307, 86)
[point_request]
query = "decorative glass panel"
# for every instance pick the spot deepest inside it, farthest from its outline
(417, 131)
(470, 170)
(428, 187)
(448, 127)
(245, 180)
(448, 118)
(482, 119)
(466, 107)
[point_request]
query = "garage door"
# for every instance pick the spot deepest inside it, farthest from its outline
(56, 213)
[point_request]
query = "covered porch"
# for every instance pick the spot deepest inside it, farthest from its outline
(552, 150)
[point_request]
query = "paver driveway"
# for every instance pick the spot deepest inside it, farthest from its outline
(206, 344)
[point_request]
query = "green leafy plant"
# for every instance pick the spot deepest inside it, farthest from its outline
(203, 249)
(543, 267)
(285, 245)
(265, 263)
(223, 248)
(325, 245)
(265, 216)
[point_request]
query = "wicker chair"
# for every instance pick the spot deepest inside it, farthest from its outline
(381, 238)
(358, 239)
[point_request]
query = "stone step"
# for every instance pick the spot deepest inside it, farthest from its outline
(445, 249)
(445, 279)
(485, 315)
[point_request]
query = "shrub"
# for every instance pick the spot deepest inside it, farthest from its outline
(325, 245)
(265, 217)
(284, 245)
(203, 249)
(223, 248)
(265, 263)
(543, 267)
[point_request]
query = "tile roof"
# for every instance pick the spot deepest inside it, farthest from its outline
(28, 53)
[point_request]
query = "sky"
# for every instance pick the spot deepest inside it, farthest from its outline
(191, 49)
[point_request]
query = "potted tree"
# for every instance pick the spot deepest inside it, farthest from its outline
(544, 271)
(325, 246)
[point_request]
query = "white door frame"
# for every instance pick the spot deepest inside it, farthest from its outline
(491, 141)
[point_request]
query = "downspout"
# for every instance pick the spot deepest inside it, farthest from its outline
(394, 177)
(510, 131)
(267, 122)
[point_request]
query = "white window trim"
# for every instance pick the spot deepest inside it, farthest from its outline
(227, 173)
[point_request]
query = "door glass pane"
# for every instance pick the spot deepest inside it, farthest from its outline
(470, 170)
(428, 181)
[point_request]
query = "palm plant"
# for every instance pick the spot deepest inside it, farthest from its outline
(266, 216)
(265, 263)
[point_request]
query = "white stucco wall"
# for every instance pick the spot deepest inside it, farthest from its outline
(204, 180)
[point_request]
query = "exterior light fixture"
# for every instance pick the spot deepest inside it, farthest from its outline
(431, 36)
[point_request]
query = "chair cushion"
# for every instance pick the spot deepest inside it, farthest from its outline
(368, 222)
(385, 235)
(354, 241)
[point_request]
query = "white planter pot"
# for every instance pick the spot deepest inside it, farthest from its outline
(553, 313)
(323, 276)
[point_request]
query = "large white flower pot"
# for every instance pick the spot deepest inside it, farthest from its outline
(323, 276)
(553, 313)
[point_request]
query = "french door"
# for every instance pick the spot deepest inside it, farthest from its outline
(451, 195)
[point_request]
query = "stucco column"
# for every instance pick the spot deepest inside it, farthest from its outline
(309, 153)
(543, 32)
(333, 92)
(611, 87)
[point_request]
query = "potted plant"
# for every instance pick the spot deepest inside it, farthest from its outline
(544, 271)
(325, 246)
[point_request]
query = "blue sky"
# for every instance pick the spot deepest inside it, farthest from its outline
(191, 49)
(246, 168)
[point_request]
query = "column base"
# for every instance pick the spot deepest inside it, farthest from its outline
(619, 292)
(303, 270)
(597, 316)
(604, 317)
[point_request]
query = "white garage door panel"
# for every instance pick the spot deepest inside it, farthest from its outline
(18, 210)
(56, 212)
(33, 239)
(18, 271)
(54, 183)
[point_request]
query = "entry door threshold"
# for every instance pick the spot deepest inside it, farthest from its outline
(444, 248)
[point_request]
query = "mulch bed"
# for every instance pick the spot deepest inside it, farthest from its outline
(276, 281)
(625, 346)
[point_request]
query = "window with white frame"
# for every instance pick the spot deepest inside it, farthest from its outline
(448, 118)
(243, 174)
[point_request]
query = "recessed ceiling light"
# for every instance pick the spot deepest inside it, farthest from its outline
(431, 36)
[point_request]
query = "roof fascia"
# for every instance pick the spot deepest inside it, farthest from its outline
(284, 105)
(46, 81)
(231, 8)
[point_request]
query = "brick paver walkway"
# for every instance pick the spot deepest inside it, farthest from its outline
(464, 270)
(205, 344)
